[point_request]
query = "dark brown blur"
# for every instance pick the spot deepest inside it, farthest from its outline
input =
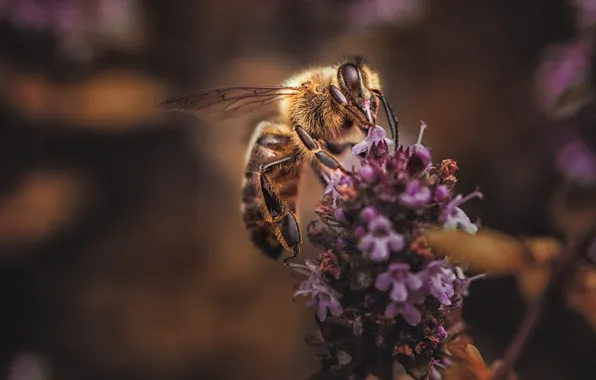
(122, 250)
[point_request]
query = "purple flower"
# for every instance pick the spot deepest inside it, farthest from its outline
(406, 291)
(368, 173)
(563, 68)
(375, 135)
(368, 12)
(577, 162)
(400, 280)
(454, 217)
(407, 310)
(335, 179)
(381, 239)
(439, 279)
(27, 366)
(462, 283)
(441, 192)
(323, 296)
(415, 195)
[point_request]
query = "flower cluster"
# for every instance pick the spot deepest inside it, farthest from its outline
(377, 288)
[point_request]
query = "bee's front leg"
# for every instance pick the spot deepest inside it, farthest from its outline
(323, 157)
(276, 212)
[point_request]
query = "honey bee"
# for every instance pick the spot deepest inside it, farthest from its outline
(318, 111)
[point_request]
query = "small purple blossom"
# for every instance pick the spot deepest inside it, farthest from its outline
(381, 239)
(334, 180)
(407, 310)
(400, 280)
(323, 296)
(441, 193)
(439, 279)
(577, 162)
(374, 136)
(415, 195)
(368, 173)
(455, 218)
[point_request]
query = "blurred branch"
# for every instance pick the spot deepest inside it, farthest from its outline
(561, 273)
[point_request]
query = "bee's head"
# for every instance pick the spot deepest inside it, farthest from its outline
(354, 86)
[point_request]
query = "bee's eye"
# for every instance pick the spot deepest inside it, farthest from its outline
(350, 76)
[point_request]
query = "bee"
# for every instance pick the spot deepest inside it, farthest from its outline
(318, 110)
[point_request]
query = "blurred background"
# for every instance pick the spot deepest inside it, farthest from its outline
(122, 249)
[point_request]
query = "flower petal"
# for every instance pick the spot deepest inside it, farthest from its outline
(322, 310)
(411, 314)
(380, 252)
(392, 310)
(383, 281)
(399, 293)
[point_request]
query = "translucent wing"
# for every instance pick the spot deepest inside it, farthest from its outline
(229, 102)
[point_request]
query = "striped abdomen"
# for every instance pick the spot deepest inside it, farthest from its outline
(270, 142)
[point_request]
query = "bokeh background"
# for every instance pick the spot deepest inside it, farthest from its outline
(122, 251)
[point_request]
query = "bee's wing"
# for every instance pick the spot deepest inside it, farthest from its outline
(229, 102)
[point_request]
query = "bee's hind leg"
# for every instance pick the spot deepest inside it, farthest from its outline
(274, 208)
(276, 212)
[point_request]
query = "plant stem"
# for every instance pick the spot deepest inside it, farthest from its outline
(560, 273)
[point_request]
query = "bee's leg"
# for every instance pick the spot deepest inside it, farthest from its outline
(321, 174)
(289, 236)
(274, 208)
(337, 149)
(275, 211)
(324, 158)
(391, 118)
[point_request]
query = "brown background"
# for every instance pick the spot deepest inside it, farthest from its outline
(122, 253)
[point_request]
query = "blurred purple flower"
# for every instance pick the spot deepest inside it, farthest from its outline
(369, 12)
(563, 68)
(577, 162)
(438, 279)
(586, 13)
(381, 239)
(76, 25)
(415, 195)
(375, 135)
(27, 366)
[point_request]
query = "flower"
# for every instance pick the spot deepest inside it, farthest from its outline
(407, 310)
(406, 291)
(323, 296)
(439, 279)
(381, 239)
(335, 178)
(415, 195)
(455, 218)
(564, 68)
(375, 135)
(400, 280)
(373, 257)
(577, 162)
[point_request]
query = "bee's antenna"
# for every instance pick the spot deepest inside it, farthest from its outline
(391, 118)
